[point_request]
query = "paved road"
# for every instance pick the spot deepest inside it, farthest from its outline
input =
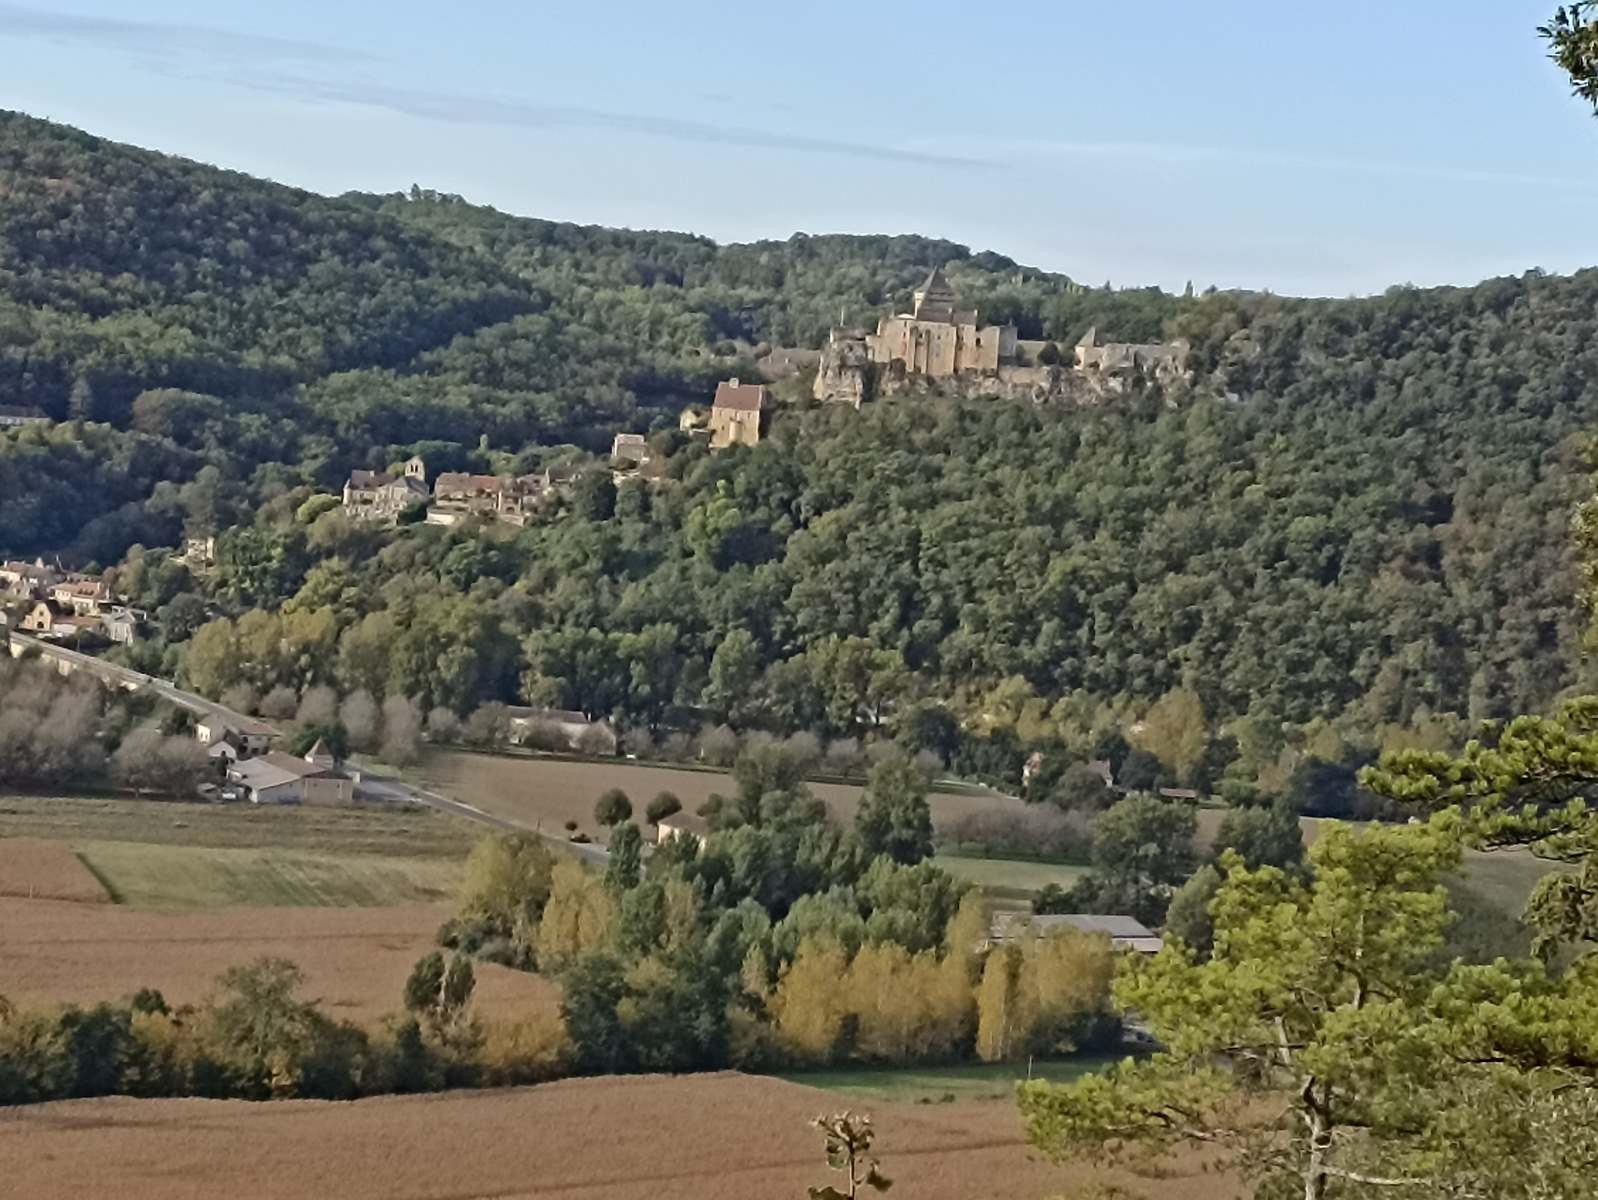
(381, 787)
(127, 677)
(386, 787)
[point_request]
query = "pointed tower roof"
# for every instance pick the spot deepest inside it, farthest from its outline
(319, 755)
(936, 282)
(934, 299)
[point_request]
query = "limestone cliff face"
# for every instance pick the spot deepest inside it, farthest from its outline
(845, 374)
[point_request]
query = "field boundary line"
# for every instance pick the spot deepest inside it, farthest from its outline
(113, 893)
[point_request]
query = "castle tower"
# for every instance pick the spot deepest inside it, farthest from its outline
(934, 299)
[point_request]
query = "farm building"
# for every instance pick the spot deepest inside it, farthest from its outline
(681, 825)
(247, 736)
(561, 729)
(1125, 933)
(278, 778)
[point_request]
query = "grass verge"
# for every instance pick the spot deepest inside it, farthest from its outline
(933, 1085)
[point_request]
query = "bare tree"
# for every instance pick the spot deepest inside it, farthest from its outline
(402, 731)
(318, 706)
(488, 726)
(443, 725)
(240, 698)
(718, 745)
(137, 761)
(359, 716)
(279, 703)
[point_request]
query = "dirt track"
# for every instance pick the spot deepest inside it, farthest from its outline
(707, 1137)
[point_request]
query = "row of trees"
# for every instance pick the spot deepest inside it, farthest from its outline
(68, 731)
(258, 1038)
(777, 939)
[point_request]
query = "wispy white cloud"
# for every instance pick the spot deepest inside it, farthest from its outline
(288, 67)
(164, 42)
(1177, 155)
(462, 109)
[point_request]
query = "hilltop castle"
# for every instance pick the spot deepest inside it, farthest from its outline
(936, 338)
(938, 342)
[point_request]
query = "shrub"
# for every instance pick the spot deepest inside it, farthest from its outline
(443, 725)
(595, 742)
(488, 728)
(718, 746)
(530, 1050)
(612, 808)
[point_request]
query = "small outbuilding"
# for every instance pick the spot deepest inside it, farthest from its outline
(1125, 933)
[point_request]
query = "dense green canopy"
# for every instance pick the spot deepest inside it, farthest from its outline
(1358, 507)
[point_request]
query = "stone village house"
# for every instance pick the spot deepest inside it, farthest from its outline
(381, 496)
(740, 414)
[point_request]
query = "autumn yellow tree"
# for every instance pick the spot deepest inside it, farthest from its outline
(1174, 731)
(906, 1007)
(506, 885)
(1001, 1011)
(807, 1007)
(1041, 995)
(578, 917)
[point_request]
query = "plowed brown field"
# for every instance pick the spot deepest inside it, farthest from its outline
(548, 792)
(707, 1137)
(46, 870)
(355, 959)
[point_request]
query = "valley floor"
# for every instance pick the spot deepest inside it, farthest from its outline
(704, 1137)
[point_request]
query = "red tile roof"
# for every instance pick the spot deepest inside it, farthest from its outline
(459, 483)
(740, 397)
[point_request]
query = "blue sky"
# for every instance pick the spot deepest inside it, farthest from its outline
(1310, 149)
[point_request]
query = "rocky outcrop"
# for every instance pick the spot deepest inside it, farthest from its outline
(845, 374)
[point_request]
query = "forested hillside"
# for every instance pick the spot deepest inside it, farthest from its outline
(1359, 510)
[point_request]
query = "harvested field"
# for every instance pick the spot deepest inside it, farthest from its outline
(355, 960)
(707, 1137)
(547, 792)
(33, 868)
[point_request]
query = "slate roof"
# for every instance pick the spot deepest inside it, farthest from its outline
(936, 284)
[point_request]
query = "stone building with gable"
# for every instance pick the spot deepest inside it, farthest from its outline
(381, 496)
(739, 415)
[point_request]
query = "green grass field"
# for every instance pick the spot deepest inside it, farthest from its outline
(162, 855)
(1505, 878)
(408, 832)
(929, 1085)
(151, 876)
(1009, 879)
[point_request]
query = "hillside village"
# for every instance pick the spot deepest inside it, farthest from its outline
(56, 604)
